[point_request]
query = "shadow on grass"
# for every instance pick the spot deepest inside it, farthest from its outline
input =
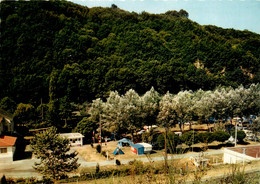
(244, 143)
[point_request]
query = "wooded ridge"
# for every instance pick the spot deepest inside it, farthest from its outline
(61, 50)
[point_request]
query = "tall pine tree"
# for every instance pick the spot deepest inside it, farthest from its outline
(52, 150)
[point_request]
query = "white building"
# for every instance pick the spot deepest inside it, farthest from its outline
(7, 148)
(241, 154)
(76, 139)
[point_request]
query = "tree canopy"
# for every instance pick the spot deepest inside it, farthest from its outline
(60, 50)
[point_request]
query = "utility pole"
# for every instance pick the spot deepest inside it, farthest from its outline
(193, 140)
(235, 133)
(100, 138)
(165, 149)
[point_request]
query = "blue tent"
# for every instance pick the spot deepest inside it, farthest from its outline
(123, 141)
(137, 149)
(118, 151)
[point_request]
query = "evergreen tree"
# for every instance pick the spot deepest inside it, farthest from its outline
(52, 150)
(3, 180)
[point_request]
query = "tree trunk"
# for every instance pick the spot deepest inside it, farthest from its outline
(132, 133)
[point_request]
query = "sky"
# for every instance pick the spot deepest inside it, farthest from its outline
(237, 14)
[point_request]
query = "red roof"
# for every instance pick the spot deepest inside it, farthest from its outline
(7, 141)
(252, 151)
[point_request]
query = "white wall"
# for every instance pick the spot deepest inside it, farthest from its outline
(7, 157)
(232, 157)
(78, 141)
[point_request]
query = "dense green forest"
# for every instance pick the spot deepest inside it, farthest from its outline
(60, 51)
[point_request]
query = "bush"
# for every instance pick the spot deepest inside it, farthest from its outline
(97, 168)
(189, 138)
(3, 180)
(137, 167)
(240, 135)
(104, 153)
(172, 141)
(118, 162)
(220, 136)
(206, 137)
(98, 148)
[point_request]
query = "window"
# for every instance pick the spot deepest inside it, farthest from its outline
(3, 150)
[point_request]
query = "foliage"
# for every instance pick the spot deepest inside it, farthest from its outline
(220, 136)
(118, 162)
(98, 148)
(255, 126)
(86, 126)
(25, 114)
(137, 167)
(172, 141)
(150, 136)
(8, 104)
(97, 50)
(240, 135)
(52, 150)
(206, 137)
(3, 180)
(97, 168)
(189, 138)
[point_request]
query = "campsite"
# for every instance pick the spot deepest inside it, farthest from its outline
(90, 154)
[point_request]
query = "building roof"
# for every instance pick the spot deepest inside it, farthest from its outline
(6, 114)
(145, 144)
(7, 141)
(137, 146)
(72, 135)
(252, 151)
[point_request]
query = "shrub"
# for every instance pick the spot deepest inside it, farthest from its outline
(97, 168)
(104, 153)
(3, 180)
(172, 141)
(137, 167)
(220, 136)
(98, 148)
(118, 162)
(206, 137)
(240, 135)
(189, 138)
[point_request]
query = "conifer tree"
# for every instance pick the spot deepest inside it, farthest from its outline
(52, 150)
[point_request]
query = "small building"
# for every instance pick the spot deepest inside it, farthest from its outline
(75, 139)
(6, 122)
(7, 148)
(148, 128)
(200, 161)
(147, 147)
(137, 149)
(241, 154)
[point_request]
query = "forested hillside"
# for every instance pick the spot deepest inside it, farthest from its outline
(60, 50)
